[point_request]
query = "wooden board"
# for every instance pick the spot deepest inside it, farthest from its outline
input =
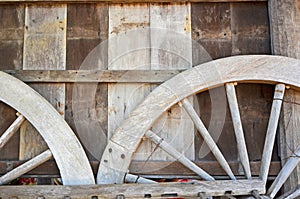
(11, 47)
(258, 68)
(93, 76)
(285, 30)
(44, 48)
(125, 1)
(171, 48)
(128, 39)
(161, 190)
(86, 103)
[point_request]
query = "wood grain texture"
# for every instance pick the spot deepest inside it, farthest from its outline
(44, 48)
(263, 69)
(128, 49)
(171, 49)
(93, 76)
(160, 190)
(11, 58)
(86, 101)
(285, 30)
(125, 1)
(65, 147)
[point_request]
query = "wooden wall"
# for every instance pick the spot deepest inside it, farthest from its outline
(223, 29)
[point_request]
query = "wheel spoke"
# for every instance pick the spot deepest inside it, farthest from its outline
(271, 131)
(130, 178)
(11, 130)
(27, 166)
(285, 172)
(177, 155)
(207, 137)
(238, 129)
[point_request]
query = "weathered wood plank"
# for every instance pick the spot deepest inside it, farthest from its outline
(44, 48)
(211, 188)
(250, 35)
(125, 1)
(86, 103)
(93, 76)
(171, 49)
(271, 131)
(256, 68)
(11, 56)
(285, 30)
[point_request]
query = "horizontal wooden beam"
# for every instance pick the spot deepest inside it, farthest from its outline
(100, 76)
(126, 1)
(161, 190)
(150, 168)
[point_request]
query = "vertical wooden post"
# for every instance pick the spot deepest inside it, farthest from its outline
(171, 48)
(44, 48)
(285, 40)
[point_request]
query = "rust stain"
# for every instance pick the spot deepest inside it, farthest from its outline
(187, 24)
(128, 26)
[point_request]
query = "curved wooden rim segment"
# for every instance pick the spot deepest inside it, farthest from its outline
(69, 155)
(250, 68)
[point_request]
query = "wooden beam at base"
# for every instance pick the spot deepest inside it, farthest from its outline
(210, 188)
(127, 1)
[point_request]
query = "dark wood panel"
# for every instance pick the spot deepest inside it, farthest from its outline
(211, 27)
(250, 35)
(86, 104)
(11, 58)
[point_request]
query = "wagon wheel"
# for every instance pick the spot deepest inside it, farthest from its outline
(62, 142)
(279, 71)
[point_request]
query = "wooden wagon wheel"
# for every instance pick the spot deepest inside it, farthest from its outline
(62, 142)
(279, 71)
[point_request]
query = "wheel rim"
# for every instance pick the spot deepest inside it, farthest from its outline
(253, 68)
(66, 149)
